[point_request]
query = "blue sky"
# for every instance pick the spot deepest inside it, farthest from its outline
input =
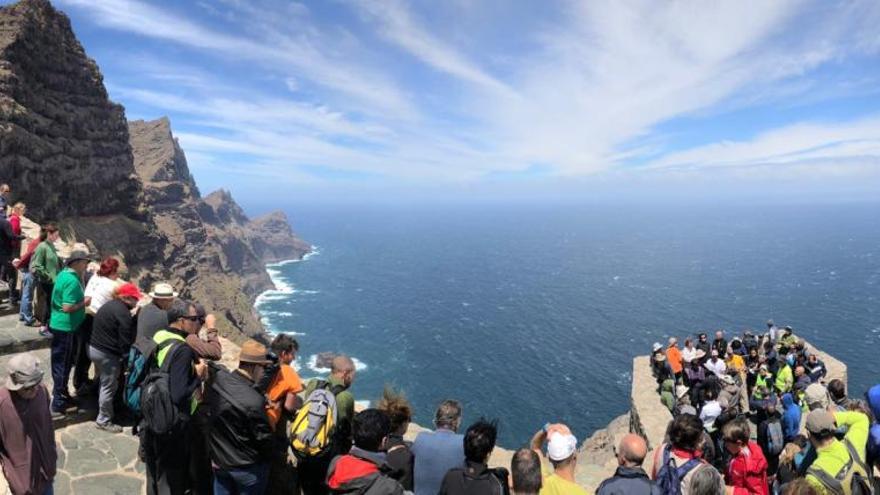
(335, 99)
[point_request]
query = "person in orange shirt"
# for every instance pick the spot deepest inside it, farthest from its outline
(673, 357)
(282, 403)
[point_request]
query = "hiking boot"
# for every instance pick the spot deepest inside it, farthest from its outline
(109, 427)
(56, 415)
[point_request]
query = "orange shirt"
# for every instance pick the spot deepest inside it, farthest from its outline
(286, 381)
(673, 355)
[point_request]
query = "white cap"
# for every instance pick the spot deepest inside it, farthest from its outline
(657, 346)
(561, 446)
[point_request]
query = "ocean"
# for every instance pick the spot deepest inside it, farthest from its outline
(533, 313)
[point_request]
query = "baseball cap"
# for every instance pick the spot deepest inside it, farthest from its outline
(129, 290)
(561, 446)
(819, 421)
(816, 396)
(23, 371)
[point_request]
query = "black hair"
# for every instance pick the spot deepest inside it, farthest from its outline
(479, 440)
(686, 432)
(736, 344)
(525, 468)
(369, 428)
(178, 309)
(768, 345)
(837, 389)
(284, 343)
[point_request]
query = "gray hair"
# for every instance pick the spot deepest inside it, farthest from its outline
(448, 415)
(707, 481)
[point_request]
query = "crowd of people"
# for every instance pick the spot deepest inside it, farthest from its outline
(738, 408)
(758, 411)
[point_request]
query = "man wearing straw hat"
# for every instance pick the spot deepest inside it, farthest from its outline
(153, 316)
(28, 455)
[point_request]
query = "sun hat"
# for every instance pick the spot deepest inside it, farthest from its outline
(680, 391)
(820, 420)
(23, 371)
(129, 290)
(163, 290)
(687, 409)
(561, 446)
(656, 347)
(77, 255)
(673, 340)
(253, 352)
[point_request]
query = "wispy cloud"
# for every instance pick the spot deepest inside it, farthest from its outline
(380, 86)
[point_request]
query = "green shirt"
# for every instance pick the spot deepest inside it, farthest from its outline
(68, 290)
(834, 456)
(44, 262)
(344, 400)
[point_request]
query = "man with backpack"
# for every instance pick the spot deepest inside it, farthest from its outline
(475, 477)
(167, 401)
(676, 461)
(363, 470)
(240, 436)
(322, 427)
(771, 437)
(839, 467)
(629, 478)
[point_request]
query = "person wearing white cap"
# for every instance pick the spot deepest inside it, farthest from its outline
(716, 365)
(562, 452)
(28, 455)
(153, 317)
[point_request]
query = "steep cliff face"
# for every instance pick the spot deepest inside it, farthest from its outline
(59, 134)
(123, 190)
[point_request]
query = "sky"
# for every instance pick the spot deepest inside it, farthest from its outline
(337, 100)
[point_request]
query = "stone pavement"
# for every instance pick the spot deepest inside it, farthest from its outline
(15, 336)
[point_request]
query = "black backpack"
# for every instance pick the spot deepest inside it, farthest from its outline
(161, 415)
(669, 475)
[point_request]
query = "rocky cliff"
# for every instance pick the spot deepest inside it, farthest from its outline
(122, 188)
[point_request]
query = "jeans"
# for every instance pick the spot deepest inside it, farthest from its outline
(62, 358)
(26, 311)
(81, 361)
(247, 480)
(107, 367)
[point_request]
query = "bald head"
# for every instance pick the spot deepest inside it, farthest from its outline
(343, 368)
(632, 450)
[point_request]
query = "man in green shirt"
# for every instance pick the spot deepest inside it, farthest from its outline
(313, 471)
(68, 310)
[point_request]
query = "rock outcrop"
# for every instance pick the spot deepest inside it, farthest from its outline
(122, 188)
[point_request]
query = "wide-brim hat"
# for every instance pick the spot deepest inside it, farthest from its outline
(163, 291)
(681, 391)
(77, 255)
(253, 352)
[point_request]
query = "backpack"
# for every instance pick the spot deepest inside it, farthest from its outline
(161, 415)
(313, 428)
(669, 475)
(136, 371)
(848, 481)
(775, 437)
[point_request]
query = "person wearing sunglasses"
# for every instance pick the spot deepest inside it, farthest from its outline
(28, 455)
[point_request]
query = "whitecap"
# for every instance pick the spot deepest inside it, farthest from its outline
(360, 405)
(314, 252)
(312, 364)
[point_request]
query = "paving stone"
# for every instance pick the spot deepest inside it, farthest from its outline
(109, 484)
(62, 484)
(88, 461)
(124, 448)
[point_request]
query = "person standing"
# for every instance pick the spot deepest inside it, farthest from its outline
(720, 344)
(837, 459)
(8, 274)
(68, 306)
(476, 478)
(167, 455)
(4, 198)
(26, 308)
(45, 266)
(240, 437)
(629, 478)
(673, 356)
(399, 452)
(746, 472)
(313, 470)
(27, 437)
(112, 337)
(525, 472)
(282, 402)
(362, 470)
(152, 317)
(562, 453)
(438, 451)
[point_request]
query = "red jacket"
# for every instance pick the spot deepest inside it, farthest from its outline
(747, 472)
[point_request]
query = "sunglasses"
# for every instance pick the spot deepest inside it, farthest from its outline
(192, 318)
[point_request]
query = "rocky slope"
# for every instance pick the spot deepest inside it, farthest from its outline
(122, 188)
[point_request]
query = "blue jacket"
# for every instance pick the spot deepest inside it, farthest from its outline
(627, 481)
(435, 452)
(873, 397)
(791, 419)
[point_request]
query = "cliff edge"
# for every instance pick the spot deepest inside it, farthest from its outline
(122, 188)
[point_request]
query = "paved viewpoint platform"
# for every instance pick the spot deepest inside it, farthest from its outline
(15, 336)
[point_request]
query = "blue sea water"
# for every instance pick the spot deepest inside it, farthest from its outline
(531, 314)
